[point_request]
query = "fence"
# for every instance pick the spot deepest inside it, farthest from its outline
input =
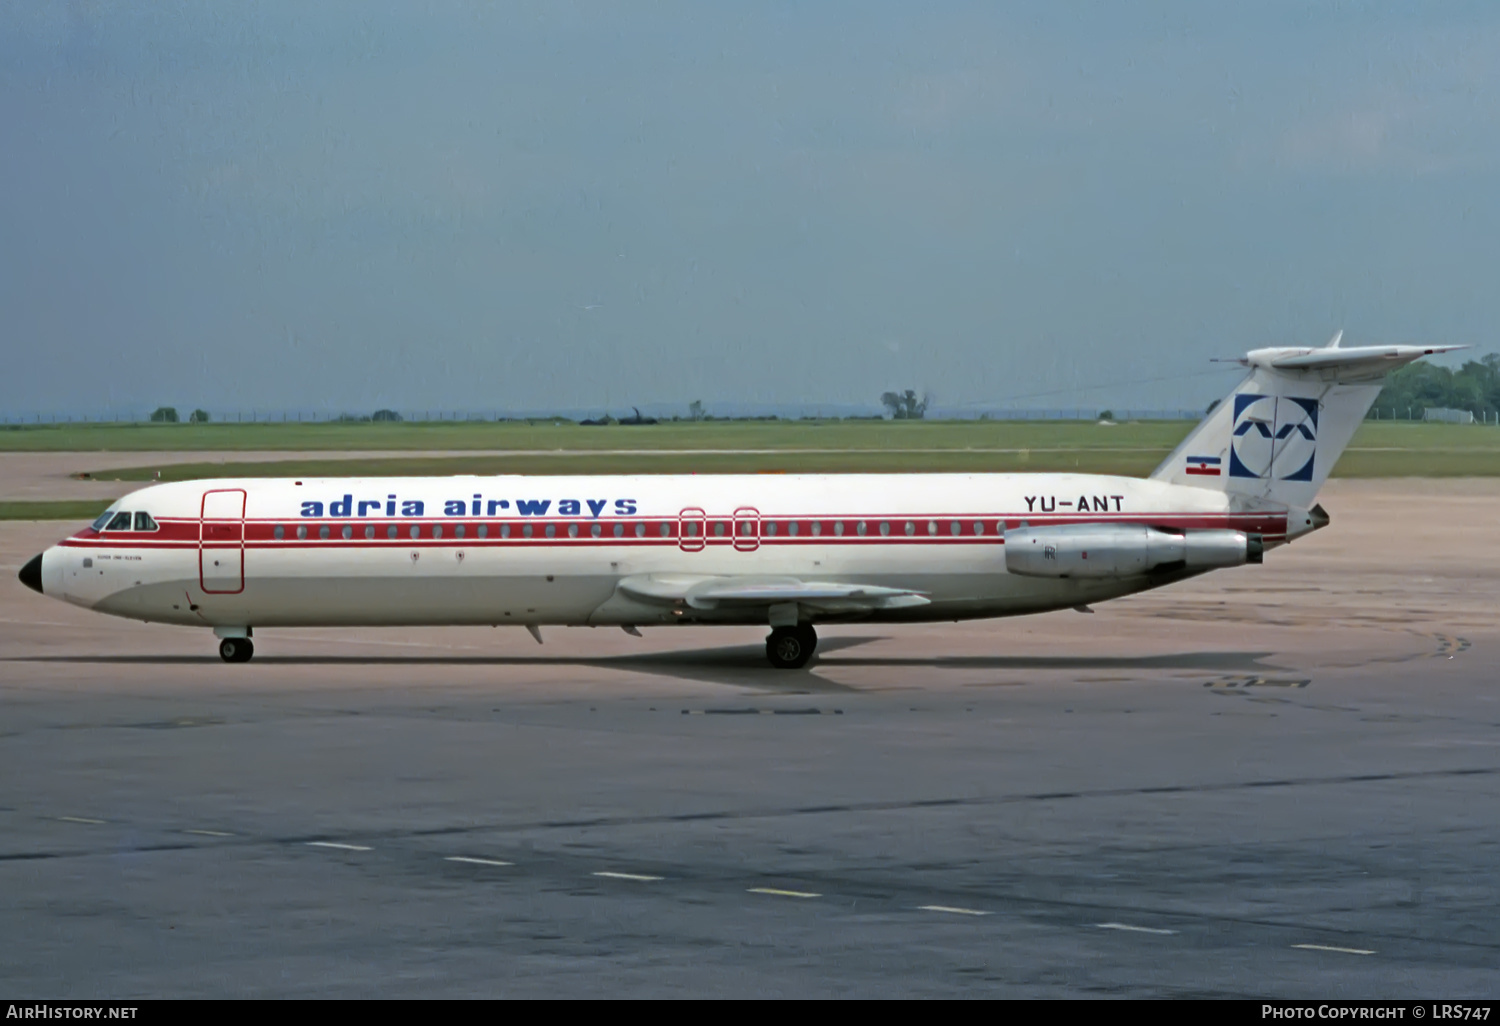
(1431, 414)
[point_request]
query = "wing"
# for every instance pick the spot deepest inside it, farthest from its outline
(713, 592)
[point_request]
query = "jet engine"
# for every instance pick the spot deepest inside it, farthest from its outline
(1123, 550)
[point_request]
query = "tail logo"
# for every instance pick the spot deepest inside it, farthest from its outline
(1274, 437)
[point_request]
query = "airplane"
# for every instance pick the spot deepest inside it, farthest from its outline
(789, 552)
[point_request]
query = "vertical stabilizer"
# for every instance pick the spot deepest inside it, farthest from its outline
(1279, 433)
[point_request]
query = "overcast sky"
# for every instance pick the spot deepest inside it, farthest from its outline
(526, 205)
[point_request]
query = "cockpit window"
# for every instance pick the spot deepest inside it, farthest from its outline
(104, 518)
(143, 522)
(121, 522)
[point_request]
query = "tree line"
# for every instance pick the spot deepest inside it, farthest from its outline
(1475, 386)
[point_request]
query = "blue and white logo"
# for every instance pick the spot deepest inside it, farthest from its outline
(1274, 436)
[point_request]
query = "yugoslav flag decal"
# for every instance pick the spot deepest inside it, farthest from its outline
(1207, 466)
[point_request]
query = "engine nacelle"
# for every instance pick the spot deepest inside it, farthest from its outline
(1123, 550)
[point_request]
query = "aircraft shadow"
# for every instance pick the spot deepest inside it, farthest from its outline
(739, 665)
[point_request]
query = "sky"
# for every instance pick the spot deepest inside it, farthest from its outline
(342, 206)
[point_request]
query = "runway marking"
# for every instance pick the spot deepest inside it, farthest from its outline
(1326, 947)
(477, 862)
(784, 894)
(80, 819)
(334, 844)
(209, 833)
(1132, 929)
(625, 876)
(953, 909)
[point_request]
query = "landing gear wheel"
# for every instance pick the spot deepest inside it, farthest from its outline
(789, 648)
(236, 650)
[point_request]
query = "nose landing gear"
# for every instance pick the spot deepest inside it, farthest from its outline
(236, 650)
(789, 648)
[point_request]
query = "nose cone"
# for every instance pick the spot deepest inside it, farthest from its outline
(31, 574)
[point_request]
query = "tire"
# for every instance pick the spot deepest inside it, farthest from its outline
(236, 650)
(789, 648)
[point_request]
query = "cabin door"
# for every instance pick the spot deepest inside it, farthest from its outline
(221, 542)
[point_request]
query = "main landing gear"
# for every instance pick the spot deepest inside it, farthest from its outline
(236, 650)
(789, 648)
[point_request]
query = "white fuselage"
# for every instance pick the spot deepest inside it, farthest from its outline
(554, 550)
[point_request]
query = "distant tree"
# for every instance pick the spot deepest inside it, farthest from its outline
(904, 405)
(164, 415)
(1107, 415)
(695, 410)
(198, 417)
(1475, 386)
(386, 415)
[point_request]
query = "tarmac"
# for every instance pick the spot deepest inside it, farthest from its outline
(1273, 782)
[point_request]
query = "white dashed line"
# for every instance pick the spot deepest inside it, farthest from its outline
(1132, 929)
(80, 819)
(1325, 947)
(955, 910)
(784, 894)
(342, 847)
(477, 862)
(626, 876)
(208, 833)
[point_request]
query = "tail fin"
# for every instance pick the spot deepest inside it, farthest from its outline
(1279, 433)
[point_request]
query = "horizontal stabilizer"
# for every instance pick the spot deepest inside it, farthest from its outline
(1358, 363)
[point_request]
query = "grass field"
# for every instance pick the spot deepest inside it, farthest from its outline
(545, 437)
(840, 435)
(1379, 449)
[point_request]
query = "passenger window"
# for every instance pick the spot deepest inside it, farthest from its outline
(932, 527)
(323, 533)
(572, 530)
(121, 522)
(978, 527)
(619, 530)
(640, 530)
(666, 530)
(860, 527)
(719, 529)
(143, 522)
(885, 528)
(551, 530)
(416, 530)
(458, 532)
(911, 528)
(955, 528)
(437, 530)
(390, 532)
(838, 528)
(369, 530)
(279, 533)
(347, 532)
(301, 532)
(771, 529)
(817, 527)
(791, 529)
(484, 530)
(525, 530)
